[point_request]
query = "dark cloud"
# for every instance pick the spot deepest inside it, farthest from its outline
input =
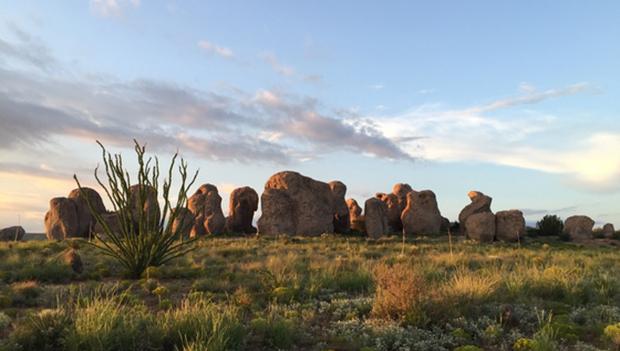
(268, 126)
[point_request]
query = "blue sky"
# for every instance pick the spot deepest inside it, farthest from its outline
(517, 99)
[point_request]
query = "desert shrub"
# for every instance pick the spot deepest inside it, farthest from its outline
(550, 225)
(398, 290)
(5, 321)
(612, 332)
(142, 239)
(25, 293)
(45, 331)
(199, 324)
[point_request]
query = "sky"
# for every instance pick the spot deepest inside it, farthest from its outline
(517, 99)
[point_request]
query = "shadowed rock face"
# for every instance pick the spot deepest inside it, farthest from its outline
(206, 205)
(241, 207)
(608, 230)
(86, 221)
(480, 203)
(144, 202)
(400, 190)
(341, 210)
(509, 225)
(579, 227)
(183, 222)
(375, 218)
(421, 216)
(481, 227)
(113, 222)
(356, 219)
(61, 221)
(393, 210)
(15, 233)
(297, 205)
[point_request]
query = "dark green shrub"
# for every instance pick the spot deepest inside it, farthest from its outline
(45, 331)
(550, 225)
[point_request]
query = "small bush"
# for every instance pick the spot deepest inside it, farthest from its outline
(398, 291)
(25, 293)
(550, 225)
(612, 332)
(44, 331)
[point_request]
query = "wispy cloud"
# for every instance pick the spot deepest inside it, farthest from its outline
(278, 67)
(377, 86)
(212, 48)
(107, 8)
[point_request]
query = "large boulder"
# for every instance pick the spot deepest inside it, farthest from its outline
(356, 219)
(86, 221)
(206, 205)
(183, 222)
(509, 225)
(341, 210)
(241, 207)
(578, 227)
(15, 233)
(145, 203)
(394, 210)
(480, 203)
(375, 218)
(400, 190)
(421, 216)
(297, 205)
(608, 230)
(61, 221)
(112, 220)
(481, 227)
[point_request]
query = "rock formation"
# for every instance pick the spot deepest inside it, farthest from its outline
(86, 221)
(241, 207)
(145, 203)
(421, 215)
(341, 210)
(297, 205)
(375, 218)
(356, 219)
(61, 221)
(15, 233)
(509, 225)
(183, 222)
(112, 221)
(578, 227)
(394, 211)
(609, 230)
(481, 227)
(480, 203)
(206, 205)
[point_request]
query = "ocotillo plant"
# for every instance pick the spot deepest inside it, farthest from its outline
(140, 239)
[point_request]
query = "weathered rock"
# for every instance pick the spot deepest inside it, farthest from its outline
(113, 222)
(61, 221)
(421, 216)
(509, 225)
(445, 225)
(73, 260)
(394, 211)
(609, 230)
(145, 203)
(86, 221)
(481, 227)
(310, 206)
(206, 205)
(241, 207)
(183, 222)
(480, 203)
(375, 218)
(341, 210)
(401, 190)
(579, 227)
(15, 233)
(356, 219)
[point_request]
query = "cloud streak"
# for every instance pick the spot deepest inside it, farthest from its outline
(215, 49)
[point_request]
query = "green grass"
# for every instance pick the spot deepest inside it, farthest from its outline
(326, 293)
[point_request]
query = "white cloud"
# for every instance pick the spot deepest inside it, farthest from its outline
(278, 66)
(216, 49)
(108, 8)
(588, 158)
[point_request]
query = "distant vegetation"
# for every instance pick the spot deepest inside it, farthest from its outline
(323, 293)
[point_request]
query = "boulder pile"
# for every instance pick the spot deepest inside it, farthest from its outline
(206, 206)
(480, 224)
(70, 216)
(241, 207)
(15, 233)
(579, 228)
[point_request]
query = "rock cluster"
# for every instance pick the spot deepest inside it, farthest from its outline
(421, 215)
(480, 224)
(375, 218)
(608, 231)
(15, 233)
(356, 219)
(341, 210)
(206, 206)
(70, 216)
